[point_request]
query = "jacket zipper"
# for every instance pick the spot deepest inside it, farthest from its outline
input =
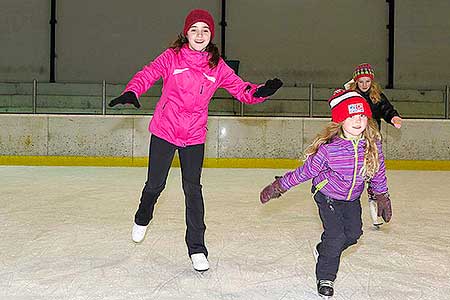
(201, 90)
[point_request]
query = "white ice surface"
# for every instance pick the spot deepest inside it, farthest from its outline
(65, 234)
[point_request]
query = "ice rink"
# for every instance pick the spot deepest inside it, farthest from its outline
(65, 234)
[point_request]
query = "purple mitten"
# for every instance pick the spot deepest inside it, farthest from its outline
(273, 190)
(384, 206)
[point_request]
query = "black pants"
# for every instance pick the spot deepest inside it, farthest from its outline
(342, 227)
(161, 154)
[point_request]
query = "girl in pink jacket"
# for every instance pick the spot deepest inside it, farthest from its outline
(192, 71)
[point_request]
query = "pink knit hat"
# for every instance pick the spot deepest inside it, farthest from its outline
(199, 15)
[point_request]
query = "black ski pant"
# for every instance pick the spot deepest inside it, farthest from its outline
(342, 227)
(161, 154)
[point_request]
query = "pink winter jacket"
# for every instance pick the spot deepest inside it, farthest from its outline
(181, 114)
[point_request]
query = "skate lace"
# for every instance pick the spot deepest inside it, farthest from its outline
(327, 283)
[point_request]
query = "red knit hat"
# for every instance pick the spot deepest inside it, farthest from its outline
(363, 70)
(346, 103)
(199, 15)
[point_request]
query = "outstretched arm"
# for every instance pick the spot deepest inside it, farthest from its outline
(389, 113)
(150, 73)
(143, 80)
(248, 92)
(311, 168)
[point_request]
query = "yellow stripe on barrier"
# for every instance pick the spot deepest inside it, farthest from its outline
(434, 165)
(73, 161)
(258, 163)
(107, 161)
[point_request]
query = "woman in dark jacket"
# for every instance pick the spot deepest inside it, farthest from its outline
(363, 82)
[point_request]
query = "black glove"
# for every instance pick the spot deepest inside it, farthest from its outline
(125, 98)
(268, 89)
(384, 206)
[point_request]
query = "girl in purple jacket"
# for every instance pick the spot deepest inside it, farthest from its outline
(192, 70)
(339, 161)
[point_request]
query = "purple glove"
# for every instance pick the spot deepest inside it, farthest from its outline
(273, 190)
(384, 206)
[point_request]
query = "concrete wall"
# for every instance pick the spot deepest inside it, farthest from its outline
(228, 137)
(317, 41)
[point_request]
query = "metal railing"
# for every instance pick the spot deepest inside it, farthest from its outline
(308, 101)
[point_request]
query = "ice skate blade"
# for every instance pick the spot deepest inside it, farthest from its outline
(377, 225)
(201, 271)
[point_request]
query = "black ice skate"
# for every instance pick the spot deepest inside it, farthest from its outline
(325, 288)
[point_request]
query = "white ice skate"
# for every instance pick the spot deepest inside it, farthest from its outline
(376, 221)
(199, 262)
(138, 233)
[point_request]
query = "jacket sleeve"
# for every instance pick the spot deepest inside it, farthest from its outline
(387, 110)
(239, 89)
(379, 181)
(150, 73)
(313, 165)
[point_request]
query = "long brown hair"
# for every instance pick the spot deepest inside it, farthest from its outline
(211, 49)
(371, 135)
(375, 90)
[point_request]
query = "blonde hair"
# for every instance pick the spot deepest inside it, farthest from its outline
(371, 135)
(375, 90)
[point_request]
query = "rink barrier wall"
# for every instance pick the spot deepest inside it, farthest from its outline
(232, 142)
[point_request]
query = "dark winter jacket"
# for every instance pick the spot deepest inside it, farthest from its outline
(383, 109)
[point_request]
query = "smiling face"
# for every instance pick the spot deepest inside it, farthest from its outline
(353, 126)
(199, 36)
(364, 83)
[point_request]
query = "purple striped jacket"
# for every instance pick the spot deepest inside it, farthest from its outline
(338, 165)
